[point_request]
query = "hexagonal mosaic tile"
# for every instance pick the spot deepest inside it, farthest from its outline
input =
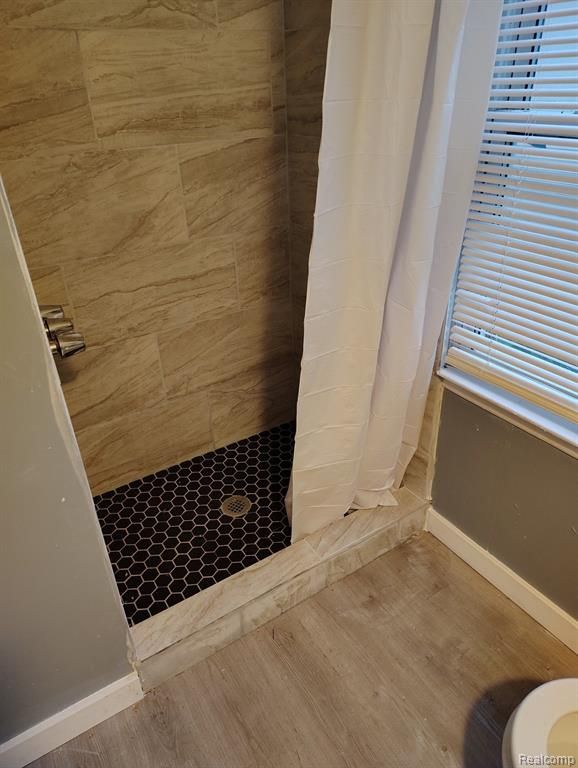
(167, 537)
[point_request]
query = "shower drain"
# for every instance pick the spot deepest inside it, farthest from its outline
(236, 506)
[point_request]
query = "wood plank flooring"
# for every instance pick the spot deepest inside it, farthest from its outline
(414, 660)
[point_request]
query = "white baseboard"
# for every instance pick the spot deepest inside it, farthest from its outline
(70, 722)
(527, 597)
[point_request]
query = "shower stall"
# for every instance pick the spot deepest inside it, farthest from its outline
(161, 171)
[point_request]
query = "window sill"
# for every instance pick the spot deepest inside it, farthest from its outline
(538, 422)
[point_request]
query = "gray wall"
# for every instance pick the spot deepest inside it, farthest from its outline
(512, 493)
(63, 633)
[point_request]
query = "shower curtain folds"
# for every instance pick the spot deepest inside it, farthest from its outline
(406, 90)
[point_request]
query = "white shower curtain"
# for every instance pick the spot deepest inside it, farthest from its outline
(405, 97)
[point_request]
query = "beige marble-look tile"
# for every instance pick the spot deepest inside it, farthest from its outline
(280, 120)
(305, 59)
(341, 565)
(301, 14)
(135, 444)
(258, 398)
(198, 646)
(429, 427)
(278, 82)
(88, 14)
(43, 101)
(263, 269)
(304, 114)
(71, 207)
(420, 471)
(235, 186)
(201, 355)
(250, 14)
(303, 176)
(49, 286)
(415, 477)
(147, 88)
(413, 522)
(282, 598)
(361, 524)
(105, 381)
(300, 248)
(139, 291)
(298, 325)
(174, 624)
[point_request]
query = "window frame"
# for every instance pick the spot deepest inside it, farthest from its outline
(533, 418)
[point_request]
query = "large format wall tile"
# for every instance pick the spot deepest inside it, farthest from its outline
(106, 381)
(235, 186)
(135, 444)
(306, 37)
(43, 101)
(300, 247)
(87, 14)
(147, 88)
(301, 14)
(250, 14)
(49, 285)
(304, 115)
(305, 51)
(262, 15)
(138, 291)
(303, 155)
(143, 148)
(264, 394)
(70, 207)
(204, 354)
(263, 269)
(278, 85)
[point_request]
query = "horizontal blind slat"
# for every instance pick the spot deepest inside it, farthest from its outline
(512, 381)
(544, 41)
(564, 379)
(564, 26)
(524, 212)
(527, 4)
(524, 150)
(514, 317)
(515, 307)
(553, 235)
(555, 180)
(506, 80)
(522, 139)
(504, 104)
(519, 245)
(486, 286)
(520, 162)
(551, 13)
(480, 263)
(527, 199)
(568, 54)
(516, 334)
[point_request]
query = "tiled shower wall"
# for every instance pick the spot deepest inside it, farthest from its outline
(143, 147)
(306, 34)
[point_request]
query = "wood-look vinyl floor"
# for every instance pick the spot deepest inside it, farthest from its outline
(414, 660)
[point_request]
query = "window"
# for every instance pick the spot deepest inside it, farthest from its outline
(513, 315)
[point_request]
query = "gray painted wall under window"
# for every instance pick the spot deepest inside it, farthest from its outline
(513, 494)
(63, 634)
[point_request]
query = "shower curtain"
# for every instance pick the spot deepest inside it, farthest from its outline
(405, 97)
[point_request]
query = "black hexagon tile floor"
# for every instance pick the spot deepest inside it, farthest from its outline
(166, 534)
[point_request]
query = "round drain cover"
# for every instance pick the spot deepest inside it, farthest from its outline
(236, 506)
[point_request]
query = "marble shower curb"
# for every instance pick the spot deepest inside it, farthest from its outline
(169, 642)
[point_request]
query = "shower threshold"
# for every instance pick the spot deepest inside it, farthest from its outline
(171, 534)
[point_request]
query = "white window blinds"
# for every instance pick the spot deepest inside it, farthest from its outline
(513, 319)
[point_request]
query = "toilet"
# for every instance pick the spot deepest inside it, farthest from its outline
(544, 725)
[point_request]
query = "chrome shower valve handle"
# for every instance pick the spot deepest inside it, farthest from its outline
(63, 340)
